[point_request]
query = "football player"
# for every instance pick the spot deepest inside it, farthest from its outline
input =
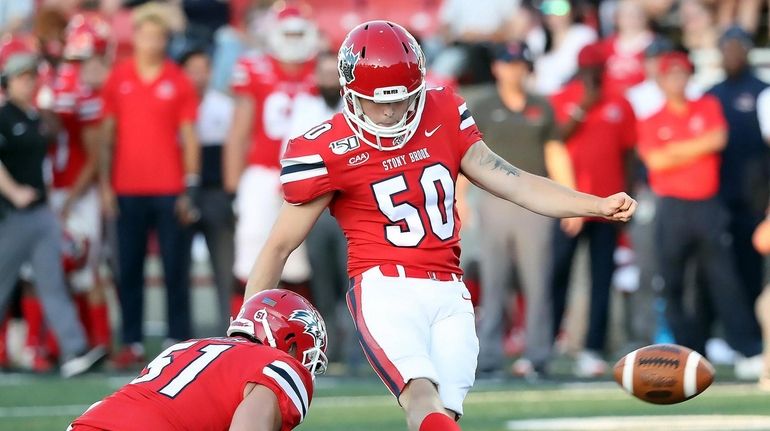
(258, 378)
(78, 102)
(387, 168)
(264, 88)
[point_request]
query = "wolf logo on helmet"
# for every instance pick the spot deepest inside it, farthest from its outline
(313, 325)
(348, 62)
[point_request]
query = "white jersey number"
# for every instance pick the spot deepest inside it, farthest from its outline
(408, 228)
(188, 373)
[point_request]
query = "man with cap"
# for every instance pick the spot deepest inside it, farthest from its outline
(599, 130)
(521, 128)
(743, 183)
(29, 231)
(681, 145)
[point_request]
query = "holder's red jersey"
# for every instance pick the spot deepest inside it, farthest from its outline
(198, 384)
(78, 106)
(397, 206)
(273, 90)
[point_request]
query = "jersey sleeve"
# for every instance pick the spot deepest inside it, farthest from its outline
(304, 173)
(241, 81)
(293, 386)
(468, 131)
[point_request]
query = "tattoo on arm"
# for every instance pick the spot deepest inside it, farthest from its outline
(496, 162)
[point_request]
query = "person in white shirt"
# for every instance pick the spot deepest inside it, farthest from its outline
(216, 222)
(567, 37)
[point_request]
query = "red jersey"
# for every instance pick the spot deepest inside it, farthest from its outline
(148, 155)
(624, 67)
(599, 145)
(198, 384)
(273, 92)
(397, 206)
(698, 179)
(78, 107)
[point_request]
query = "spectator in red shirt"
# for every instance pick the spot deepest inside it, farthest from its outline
(680, 145)
(599, 131)
(149, 105)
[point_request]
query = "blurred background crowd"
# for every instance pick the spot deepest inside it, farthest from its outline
(136, 136)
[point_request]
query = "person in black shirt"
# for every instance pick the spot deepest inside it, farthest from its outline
(29, 231)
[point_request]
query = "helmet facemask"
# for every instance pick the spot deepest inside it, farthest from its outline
(400, 132)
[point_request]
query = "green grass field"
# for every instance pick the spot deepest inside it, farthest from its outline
(30, 403)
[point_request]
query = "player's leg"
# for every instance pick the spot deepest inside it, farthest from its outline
(395, 336)
(534, 258)
(256, 206)
(424, 410)
(496, 261)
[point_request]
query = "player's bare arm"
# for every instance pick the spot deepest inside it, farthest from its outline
(237, 142)
(290, 229)
(492, 173)
(258, 411)
(678, 153)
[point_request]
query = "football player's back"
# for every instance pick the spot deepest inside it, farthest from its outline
(198, 384)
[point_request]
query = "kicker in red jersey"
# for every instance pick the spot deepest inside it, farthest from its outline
(397, 206)
(273, 91)
(198, 384)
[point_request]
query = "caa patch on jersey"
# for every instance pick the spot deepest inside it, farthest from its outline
(664, 373)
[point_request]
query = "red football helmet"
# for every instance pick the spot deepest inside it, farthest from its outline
(292, 37)
(282, 319)
(382, 62)
(74, 253)
(87, 35)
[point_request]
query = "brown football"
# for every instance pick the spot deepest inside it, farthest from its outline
(664, 373)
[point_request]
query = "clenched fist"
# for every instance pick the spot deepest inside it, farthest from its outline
(618, 207)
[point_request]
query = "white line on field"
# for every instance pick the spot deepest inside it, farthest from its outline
(520, 396)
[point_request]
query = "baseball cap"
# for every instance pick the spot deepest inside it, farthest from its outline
(659, 46)
(674, 59)
(18, 64)
(592, 55)
(555, 7)
(739, 34)
(512, 52)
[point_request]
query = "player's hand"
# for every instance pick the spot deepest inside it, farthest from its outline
(571, 226)
(66, 208)
(618, 207)
(22, 196)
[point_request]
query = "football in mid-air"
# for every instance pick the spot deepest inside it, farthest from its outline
(664, 373)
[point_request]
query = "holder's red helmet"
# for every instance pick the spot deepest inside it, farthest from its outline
(380, 61)
(283, 319)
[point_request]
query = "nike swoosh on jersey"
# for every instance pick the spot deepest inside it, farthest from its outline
(429, 134)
